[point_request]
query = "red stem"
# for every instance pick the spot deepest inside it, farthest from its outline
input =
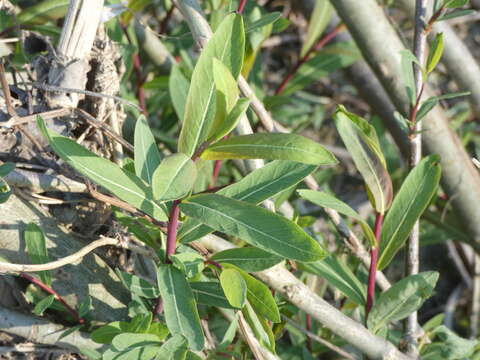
(241, 6)
(308, 326)
(216, 171)
(49, 290)
(372, 273)
(315, 48)
(164, 23)
(172, 230)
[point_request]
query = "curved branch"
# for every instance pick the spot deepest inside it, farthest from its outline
(104, 241)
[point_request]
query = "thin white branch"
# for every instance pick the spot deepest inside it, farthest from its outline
(75, 257)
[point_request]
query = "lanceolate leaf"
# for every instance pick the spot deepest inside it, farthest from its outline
(121, 183)
(226, 93)
(174, 178)
(250, 259)
(180, 309)
(270, 146)
(210, 293)
(339, 276)
(227, 45)
(147, 155)
(401, 299)
(259, 296)
(436, 51)
(256, 187)
(411, 201)
(255, 225)
(328, 201)
(362, 143)
(226, 126)
(37, 249)
(319, 20)
(234, 287)
(138, 286)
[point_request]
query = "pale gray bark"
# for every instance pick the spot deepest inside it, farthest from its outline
(381, 48)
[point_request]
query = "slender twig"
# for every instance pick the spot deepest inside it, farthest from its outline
(241, 6)
(372, 273)
(6, 90)
(49, 290)
(315, 48)
(172, 230)
(71, 259)
(415, 137)
(164, 22)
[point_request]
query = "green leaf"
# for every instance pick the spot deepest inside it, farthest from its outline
(436, 51)
(255, 225)
(147, 155)
(127, 340)
(434, 322)
(407, 61)
(106, 333)
(265, 20)
(322, 13)
(178, 86)
(105, 173)
(234, 287)
(328, 201)
(174, 348)
(411, 201)
(339, 275)
(190, 263)
(227, 45)
(450, 4)
(85, 306)
(260, 328)
(37, 250)
(450, 347)
(230, 333)
(226, 93)
(259, 296)
(159, 329)
(249, 259)
(6, 168)
(43, 305)
(230, 122)
(362, 143)
(174, 178)
(431, 102)
(43, 11)
(256, 187)
(69, 331)
(330, 59)
(179, 304)
(456, 13)
(402, 299)
(274, 146)
(138, 286)
(210, 293)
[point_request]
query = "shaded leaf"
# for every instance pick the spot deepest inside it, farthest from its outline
(265, 20)
(325, 200)
(255, 225)
(411, 201)
(449, 347)
(190, 263)
(37, 250)
(178, 86)
(147, 155)
(273, 146)
(174, 348)
(179, 304)
(106, 333)
(230, 122)
(210, 293)
(43, 305)
(121, 183)
(407, 61)
(174, 178)
(339, 275)
(43, 11)
(138, 286)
